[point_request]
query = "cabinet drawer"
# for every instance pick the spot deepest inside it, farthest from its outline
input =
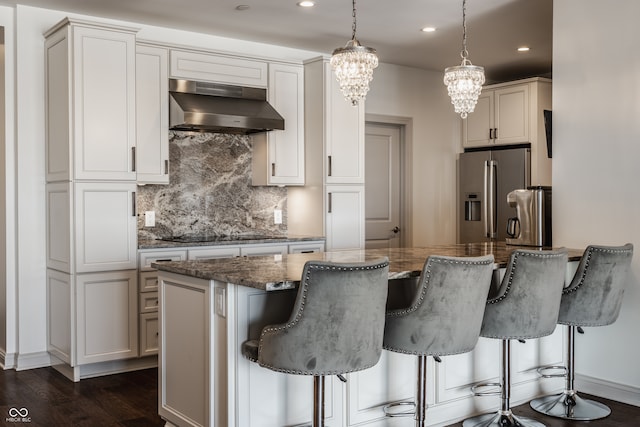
(146, 258)
(218, 68)
(306, 248)
(148, 334)
(263, 250)
(211, 253)
(148, 302)
(148, 281)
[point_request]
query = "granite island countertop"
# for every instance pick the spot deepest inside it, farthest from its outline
(284, 272)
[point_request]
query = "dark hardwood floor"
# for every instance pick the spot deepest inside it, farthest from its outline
(131, 400)
(52, 400)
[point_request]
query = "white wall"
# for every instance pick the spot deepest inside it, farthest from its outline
(596, 149)
(421, 95)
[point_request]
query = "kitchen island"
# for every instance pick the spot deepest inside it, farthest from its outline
(208, 308)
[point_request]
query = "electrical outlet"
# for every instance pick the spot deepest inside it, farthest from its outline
(277, 216)
(150, 219)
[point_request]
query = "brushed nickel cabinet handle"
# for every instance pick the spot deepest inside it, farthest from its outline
(133, 159)
(166, 167)
(329, 202)
(329, 166)
(273, 169)
(133, 203)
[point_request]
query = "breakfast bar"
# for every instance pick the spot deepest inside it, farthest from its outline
(208, 308)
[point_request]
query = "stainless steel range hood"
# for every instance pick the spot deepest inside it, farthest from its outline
(211, 107)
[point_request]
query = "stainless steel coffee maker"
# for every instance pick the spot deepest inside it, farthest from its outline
(532, 224)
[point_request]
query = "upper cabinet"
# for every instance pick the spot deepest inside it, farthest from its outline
(278, 155)
(512, 113)
(91, 130)
(334, 125)
(218, 68)
(152, 115)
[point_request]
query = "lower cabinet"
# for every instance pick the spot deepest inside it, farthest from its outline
(344, 217)
(92, 317)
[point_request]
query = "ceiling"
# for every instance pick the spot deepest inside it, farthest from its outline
(495, 28)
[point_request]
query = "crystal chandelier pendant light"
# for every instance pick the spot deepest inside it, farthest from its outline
(353, 66)
(464, 82)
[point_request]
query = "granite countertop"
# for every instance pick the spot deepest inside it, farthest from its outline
(165, 244)
(284, 272)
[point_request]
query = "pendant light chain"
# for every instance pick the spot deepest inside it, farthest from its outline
(465, 53)
(353, 27)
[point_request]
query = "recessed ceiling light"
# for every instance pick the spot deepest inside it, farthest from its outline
(428, 29)
(306, 3)
(242, 7)
(524, 49)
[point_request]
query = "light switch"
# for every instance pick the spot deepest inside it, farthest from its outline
(221, 306)
(277, 216)
(150, 219)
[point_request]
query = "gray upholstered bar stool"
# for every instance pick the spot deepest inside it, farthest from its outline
(444, 318)
(336, 325)
(525, 306)
(593, 298)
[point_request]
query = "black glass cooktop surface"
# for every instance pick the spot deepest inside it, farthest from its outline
(219, 238)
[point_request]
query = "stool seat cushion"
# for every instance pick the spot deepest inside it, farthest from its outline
(528, 300)
(250, 350)
(594, 296)
(446, 312)
(336, 325)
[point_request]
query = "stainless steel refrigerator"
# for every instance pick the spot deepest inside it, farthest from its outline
(485, 177)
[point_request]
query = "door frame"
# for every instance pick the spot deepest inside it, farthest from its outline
(405, 124)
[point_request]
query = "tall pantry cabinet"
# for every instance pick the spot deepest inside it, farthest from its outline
(332, 201)
(91, 184)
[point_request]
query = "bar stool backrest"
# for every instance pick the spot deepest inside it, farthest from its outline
(446, 312)
(337, 322)
(528, 300)
(595, 294)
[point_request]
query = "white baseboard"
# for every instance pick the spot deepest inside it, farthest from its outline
(92, 370)
(7, 360)
(607, 389)
(32, 361)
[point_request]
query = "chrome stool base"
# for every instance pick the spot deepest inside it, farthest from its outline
(501, 419)
(570, 406)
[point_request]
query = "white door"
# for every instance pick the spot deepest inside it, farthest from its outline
(382, 186)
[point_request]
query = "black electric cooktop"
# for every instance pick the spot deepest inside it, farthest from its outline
(219, 238)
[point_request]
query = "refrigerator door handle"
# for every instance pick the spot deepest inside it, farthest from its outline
(490, 197)
(485, 214)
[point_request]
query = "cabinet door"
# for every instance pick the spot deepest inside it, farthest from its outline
(218, 68)
(345, 217)
(59, 226)
(148, 334)
(107, 316)
(477, 125)
(512, 114)
(60, 312)
(104, 130)
(344, 129)
(106, 233)
(152, 115)
(286, 147)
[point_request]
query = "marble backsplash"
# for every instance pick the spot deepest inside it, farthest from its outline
(210, 191)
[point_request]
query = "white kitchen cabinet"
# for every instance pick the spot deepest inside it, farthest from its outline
(512, 113)
(345, 210)
(152, 115)
(107, 318)
(306, 247)
(149, 334)
(278, 155)
(264, 250)
(218, 68)
(102, 237)
(214, 252)
(91, 317)
(334, 128)
(90, 100)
